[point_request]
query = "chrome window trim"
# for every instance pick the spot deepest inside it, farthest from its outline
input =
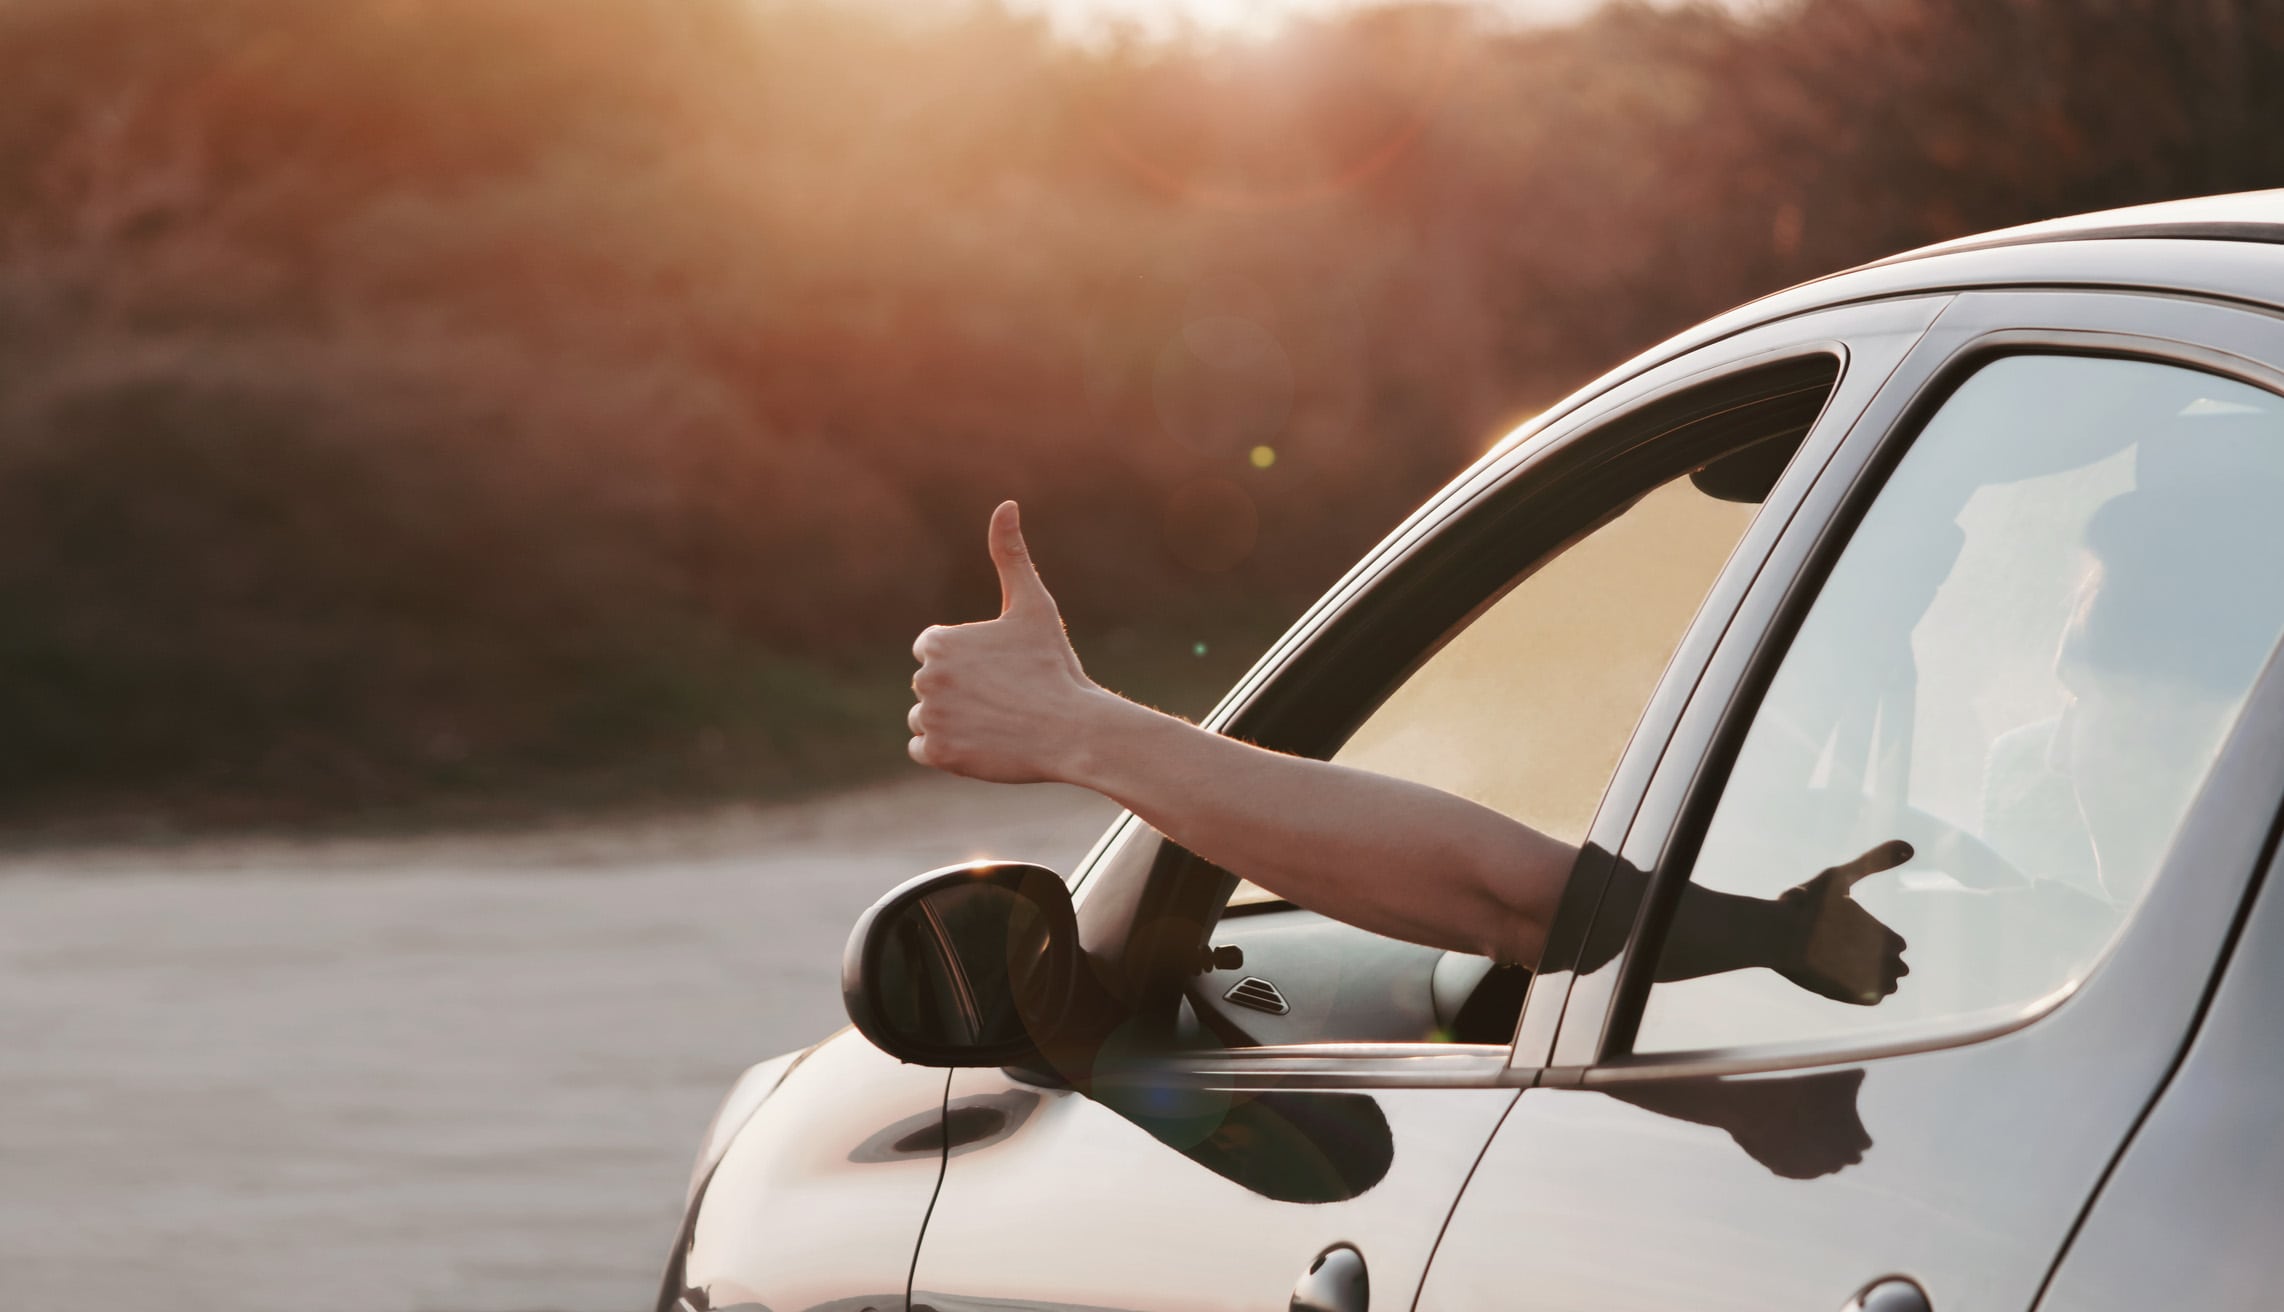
(1321, 1066)
(1949, 1032)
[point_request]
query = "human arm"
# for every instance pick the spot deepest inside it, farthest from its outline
(1384, 854)
(1007, 700)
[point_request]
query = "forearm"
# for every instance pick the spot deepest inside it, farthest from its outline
(1384, 854)
(1714, 932)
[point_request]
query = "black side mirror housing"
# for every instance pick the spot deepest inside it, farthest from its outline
(970, 965)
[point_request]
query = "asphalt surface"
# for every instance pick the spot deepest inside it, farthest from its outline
(423, 1075)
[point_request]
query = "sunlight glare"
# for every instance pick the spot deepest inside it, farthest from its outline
(1163, 19)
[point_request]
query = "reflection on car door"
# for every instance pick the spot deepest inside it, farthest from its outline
(1739, 1140)
(820, 1200)
(1197, 1189)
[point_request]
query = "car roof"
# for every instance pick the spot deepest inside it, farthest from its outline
(2242, 216)
(2228, 247)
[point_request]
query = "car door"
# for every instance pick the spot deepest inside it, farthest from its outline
(1928, 886)
(2188, 1216)
(1309, 1088)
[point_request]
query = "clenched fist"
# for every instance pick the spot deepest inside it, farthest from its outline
(1004, 700)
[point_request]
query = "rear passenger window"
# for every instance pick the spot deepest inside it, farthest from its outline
(1981, 742)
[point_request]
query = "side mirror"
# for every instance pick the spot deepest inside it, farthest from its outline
(970, 965)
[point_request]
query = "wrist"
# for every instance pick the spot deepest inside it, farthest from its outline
(1714, 932)
(1790, 921)
(1098, 734)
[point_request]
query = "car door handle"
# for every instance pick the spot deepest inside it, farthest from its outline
(1893, 1294)
(1335, 1282)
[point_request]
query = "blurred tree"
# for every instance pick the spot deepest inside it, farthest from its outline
(568, 399)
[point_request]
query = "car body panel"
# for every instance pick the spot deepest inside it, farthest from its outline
(1191, 1195)
(2189, 1217)
(2247, 215)
(746, 1095)
(819, 1201)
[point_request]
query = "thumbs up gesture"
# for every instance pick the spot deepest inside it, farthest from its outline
(1005, 699)
(1844, 952)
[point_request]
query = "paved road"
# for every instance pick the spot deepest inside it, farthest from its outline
(428, 1075)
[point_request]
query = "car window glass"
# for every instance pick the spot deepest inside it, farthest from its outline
(1980, 743)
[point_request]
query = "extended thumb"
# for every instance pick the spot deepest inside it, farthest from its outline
(1019, 584)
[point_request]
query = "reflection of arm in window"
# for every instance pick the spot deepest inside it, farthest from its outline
(1814, 933)
(2110, 509)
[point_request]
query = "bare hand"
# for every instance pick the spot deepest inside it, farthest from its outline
(1005, 699)
(1846, 953)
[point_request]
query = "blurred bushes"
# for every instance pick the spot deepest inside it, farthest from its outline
(405, 400)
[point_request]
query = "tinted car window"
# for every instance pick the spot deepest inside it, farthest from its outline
(1997, 710)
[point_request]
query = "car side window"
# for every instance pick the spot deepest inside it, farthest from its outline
(1980, 743)
(1525, 708)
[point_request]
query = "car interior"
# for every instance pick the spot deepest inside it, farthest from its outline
(1526, 648)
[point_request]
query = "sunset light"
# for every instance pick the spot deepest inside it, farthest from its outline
(1093, 19)
(532, 533)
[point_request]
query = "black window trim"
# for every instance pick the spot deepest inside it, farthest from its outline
(1487, 545)
(1891, 424)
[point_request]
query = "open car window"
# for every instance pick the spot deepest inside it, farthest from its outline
(1526, 707)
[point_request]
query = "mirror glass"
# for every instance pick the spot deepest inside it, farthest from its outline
(966, 963)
